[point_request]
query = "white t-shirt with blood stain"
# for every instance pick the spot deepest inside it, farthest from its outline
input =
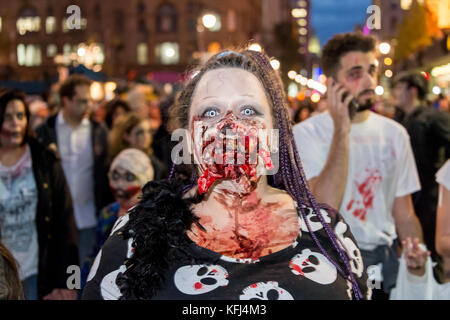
(381, 168)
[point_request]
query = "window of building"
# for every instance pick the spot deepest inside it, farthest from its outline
(142, 26)
(52, 50)
(67, 28)
(50, 25)
(168, 53)
(231, 20)
(97, 12)
(119, 20)
(166, 18)
(142, 53)
(28, 21)
(29, 55)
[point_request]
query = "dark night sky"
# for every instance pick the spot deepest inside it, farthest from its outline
(335, 16)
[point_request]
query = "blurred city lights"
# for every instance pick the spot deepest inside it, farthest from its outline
(96, 91)
(255, 47)
(275, 64)
(387, 61)
(385, 47)
(81, 51)
(388, 73)
(292, 74)
(436, 90)
(292, 89)
(169, 52)
(315, 97)
(209, 20)
(299, 13)
(322, 79)
(379, 90)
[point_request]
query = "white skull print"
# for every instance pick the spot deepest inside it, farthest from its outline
(199, 279)
(356, 262)
(265, 291)
(313, 221)
(108, 287)
(94, 267)
(313, 266)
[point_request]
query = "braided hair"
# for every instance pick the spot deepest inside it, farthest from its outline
(290, 177)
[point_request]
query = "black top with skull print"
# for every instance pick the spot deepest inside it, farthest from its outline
(298, 272)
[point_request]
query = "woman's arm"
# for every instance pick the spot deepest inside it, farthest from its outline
(443, 223)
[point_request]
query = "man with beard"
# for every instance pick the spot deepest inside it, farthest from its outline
(360, 162)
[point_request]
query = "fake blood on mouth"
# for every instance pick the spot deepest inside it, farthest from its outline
(126, 193)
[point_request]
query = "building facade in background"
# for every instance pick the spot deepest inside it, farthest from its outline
(132, 38)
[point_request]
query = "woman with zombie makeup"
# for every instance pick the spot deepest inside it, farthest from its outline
(244, 225)
(36, 215)
(129, 172)
(133, 131)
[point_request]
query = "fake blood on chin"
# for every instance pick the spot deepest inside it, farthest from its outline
(126, 193)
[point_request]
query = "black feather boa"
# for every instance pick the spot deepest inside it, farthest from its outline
(158, 225)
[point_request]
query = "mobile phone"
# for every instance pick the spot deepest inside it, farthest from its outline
(353, 105)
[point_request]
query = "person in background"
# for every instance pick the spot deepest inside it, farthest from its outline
(429, 132)
(114, 109)
(416, 280)
(364, 166)
(10, 286)
(36, 214)
(129, 172)
(83, 147)
(133, 131)
(162, 143)
(304, 112)
(443, 220)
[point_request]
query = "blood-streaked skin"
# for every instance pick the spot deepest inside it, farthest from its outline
(248, 227)
(242, 216)
(230, 150)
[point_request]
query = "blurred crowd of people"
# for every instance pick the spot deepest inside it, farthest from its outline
(67, 174)
(70, 169)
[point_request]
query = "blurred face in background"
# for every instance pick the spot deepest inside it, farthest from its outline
(140, 137)
(119, 111)
(401, 95)
(80, 105)
(14, 125)
(125, 186)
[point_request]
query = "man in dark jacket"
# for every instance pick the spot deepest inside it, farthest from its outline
(82, 145)
(429, 131)
(55, 224)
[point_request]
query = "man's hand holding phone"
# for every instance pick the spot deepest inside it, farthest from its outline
(338, 105)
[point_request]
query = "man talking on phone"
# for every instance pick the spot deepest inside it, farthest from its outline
(360, 162)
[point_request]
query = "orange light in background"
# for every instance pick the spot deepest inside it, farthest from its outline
(387, 61)
(441, 10)
(214, 47)
(301, 95)
(96, 91)
(315, 97)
